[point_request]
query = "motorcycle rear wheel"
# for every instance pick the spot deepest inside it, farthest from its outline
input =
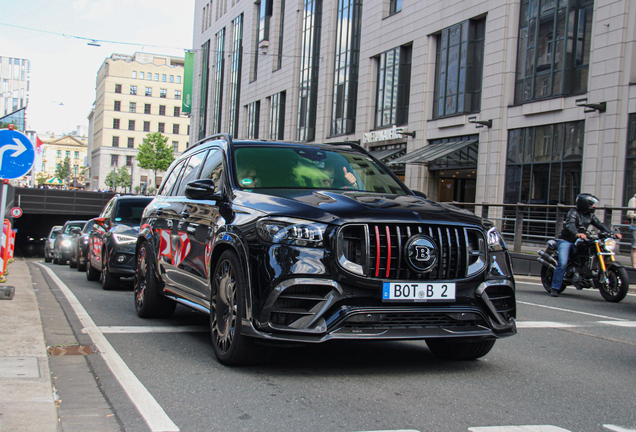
(546, 278)
(617, 284)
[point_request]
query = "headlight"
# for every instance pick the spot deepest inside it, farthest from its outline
(66, 243)
(85, 240)
(124, 239)
(295, 232)
(610, 244)
(495, 240)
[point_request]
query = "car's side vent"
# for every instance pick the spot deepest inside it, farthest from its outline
(502, 298)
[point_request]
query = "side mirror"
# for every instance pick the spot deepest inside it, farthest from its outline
(201, 189)
(420, 194)
(101, 222)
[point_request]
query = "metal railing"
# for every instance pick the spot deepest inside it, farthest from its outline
(534, 224)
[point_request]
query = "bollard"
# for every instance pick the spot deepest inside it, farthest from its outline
(484, 210)
(6, 292)
(518, 228)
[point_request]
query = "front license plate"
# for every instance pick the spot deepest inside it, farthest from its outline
(419, 292)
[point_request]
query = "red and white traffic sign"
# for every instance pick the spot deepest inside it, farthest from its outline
(16, 212)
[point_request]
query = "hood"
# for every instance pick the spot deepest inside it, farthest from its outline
(131, 230)
(338, 207)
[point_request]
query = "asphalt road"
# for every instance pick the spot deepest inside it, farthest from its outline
(572, 365)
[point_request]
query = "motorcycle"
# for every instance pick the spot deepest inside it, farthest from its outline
(591, 264)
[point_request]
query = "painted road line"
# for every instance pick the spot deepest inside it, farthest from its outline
(620, 323)
(617, 428)
(542, 324)
(153, 329)
(528, 428)
(155, 417)
(571, 311)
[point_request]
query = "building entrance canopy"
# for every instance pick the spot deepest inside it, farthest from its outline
(466, 155)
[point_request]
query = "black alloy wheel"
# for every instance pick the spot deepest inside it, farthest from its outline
(109, 281)
(616, 284)
(226, 311)
(149, 301)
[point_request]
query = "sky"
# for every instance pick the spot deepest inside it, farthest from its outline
(64, 68)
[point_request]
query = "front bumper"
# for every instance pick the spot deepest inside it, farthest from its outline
(121, 261)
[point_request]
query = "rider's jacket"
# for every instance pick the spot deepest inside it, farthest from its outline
(577, 222)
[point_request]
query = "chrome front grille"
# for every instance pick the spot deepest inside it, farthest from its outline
(377, 251)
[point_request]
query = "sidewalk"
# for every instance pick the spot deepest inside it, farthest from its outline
(26, 395)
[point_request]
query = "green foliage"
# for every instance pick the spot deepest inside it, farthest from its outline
(63, 172)
(41, 178)
(122, 179)
(154, 153)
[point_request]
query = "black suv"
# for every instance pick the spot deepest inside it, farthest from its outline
(291, 242)
(111, 242)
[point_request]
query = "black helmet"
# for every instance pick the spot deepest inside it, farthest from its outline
(585, 202)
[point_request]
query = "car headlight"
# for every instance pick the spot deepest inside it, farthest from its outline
(85, 240)
(66, 243)
(295, 232)
(610, 244)
(124, 239)
(495, 240)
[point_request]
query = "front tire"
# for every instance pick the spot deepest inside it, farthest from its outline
(149, 301)
(92, 274)
(459, 348)
(617, 285)
(226, 311)
(109, 281)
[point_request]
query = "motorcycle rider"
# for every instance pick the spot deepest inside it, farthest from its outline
(575, 225)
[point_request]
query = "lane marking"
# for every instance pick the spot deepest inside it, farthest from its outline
(618, 428)
(528, 428)
(542, 324)
(155, 417)
(571, 311)
(620, 324)
(152, 329)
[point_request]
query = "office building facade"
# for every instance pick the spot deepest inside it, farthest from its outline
(14, 84)
(492, 101)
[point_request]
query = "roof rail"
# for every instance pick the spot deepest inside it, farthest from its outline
(225, 136)
(351, 144)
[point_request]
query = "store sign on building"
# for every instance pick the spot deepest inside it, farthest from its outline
(383, 135)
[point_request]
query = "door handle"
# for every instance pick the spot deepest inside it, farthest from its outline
(185, 214)
(159, 211)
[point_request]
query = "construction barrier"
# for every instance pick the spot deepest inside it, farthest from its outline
(6, 249)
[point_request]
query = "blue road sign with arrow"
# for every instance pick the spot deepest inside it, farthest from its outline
(16, 154)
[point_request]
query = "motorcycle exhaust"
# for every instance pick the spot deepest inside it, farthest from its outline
(547, 264)
(547, 260)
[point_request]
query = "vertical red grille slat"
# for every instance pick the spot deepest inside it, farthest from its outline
(377, 251)
(388, 243)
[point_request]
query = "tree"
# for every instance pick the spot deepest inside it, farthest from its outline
(154, 153)
(41, 178)
(122, 178)
(63, 172)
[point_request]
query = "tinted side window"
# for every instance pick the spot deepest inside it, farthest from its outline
(108, 207)
(213, 168)
(190, 172)
(172, 179)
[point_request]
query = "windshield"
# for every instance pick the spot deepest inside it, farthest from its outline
(130, 210)
(312, 168)
(69, 227)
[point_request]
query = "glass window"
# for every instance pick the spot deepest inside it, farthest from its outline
(162, 110)
(177, 111)
(115, 141)
(171, 78)
(131, 125)
(114, 160)
(163, 77)
(345, 85)
(148, 91)
(213, 168)
(67, 154)
(279, 59)
(130, 210)
(133, 90)
(131, 142)
(175, 146)
(217, 90)
(277, 116)
(76, 155)
(178, 79)
(175, 129)
(132, 107)
(166, 188)
(308, 85)
(117, 88)
(235, 75)
(156, 77)
(177, 94)
(134, 74)
(141, 75)
(394, 85)
(146, 108)
(395, 6)
(553, 49)
(162, 127)
(459, 68)
(146, 126)
(129, 160)
(163, 93)
(630, 163)
(115, 123)
(190, 173)
(253, 118)
(117, 106)
(58, 153)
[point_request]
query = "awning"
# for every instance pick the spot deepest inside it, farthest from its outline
(54, 180)
(431, 153)
(386, 155)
